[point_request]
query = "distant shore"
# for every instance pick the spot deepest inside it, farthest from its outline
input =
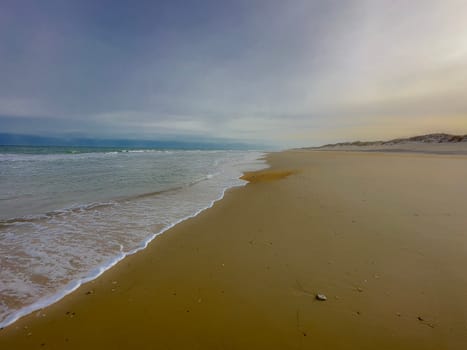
(431, 143)
(381, 235)
(415, 147)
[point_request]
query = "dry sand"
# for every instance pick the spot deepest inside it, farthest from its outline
(451, 148)
(383, 236)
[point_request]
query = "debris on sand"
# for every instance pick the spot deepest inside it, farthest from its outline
(321, 297)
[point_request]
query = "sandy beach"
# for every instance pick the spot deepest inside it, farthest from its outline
(448, 148)
(382, 235)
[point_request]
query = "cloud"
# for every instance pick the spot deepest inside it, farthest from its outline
(21, 107)
(295, 73)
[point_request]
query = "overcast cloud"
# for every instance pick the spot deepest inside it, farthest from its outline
(287, 73)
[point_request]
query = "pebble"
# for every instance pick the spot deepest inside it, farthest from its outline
(321, 297)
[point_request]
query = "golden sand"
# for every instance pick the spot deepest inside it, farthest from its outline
(383, 236)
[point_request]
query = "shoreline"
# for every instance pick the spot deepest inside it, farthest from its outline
(96, 272)
(361, 228)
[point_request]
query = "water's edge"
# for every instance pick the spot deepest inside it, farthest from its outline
(97, 272)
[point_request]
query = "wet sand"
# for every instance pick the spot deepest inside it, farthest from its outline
(383, 236)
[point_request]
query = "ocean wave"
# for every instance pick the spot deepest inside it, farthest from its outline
(57, 213)
(74, 245)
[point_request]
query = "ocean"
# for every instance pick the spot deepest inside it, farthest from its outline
(68, 214)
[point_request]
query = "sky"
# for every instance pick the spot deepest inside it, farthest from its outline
(281, 73)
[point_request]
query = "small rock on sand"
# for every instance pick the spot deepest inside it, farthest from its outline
(321, 297)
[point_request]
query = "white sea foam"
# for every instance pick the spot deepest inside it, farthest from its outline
(48, 255)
